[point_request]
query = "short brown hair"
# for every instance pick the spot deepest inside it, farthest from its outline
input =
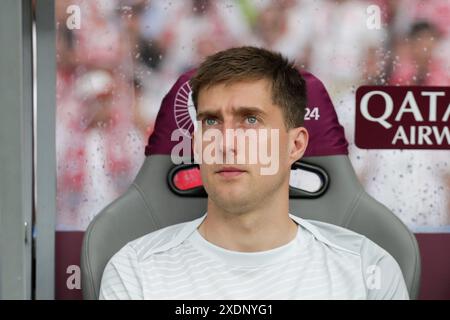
(251, 63)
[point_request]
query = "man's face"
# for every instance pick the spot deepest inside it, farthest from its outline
(231, 183)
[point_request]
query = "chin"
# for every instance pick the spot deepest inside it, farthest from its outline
(233, 191)
(231, 200)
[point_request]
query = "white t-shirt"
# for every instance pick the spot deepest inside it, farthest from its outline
(322, 262)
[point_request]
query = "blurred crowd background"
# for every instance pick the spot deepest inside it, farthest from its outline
(113, 72)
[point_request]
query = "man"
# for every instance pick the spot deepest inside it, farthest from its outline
(247, 245)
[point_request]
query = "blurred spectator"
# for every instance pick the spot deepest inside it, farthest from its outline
(416, 60)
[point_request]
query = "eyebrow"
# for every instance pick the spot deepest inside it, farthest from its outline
(240, 111)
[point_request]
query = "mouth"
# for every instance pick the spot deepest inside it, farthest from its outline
(230, 172)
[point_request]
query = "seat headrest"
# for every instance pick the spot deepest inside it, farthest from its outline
(326, 135)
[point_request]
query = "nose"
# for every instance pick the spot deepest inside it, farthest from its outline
(227, 145)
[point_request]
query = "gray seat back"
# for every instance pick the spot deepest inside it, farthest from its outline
(149, 205)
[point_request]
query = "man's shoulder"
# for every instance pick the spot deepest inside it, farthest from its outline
(160, 240)
(382, 274)
(343, 239)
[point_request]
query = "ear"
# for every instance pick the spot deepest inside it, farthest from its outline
(298, 141)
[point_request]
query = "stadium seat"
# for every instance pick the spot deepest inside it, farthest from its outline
(151, 203)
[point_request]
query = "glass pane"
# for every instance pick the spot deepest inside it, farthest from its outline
(103, 117)
(117, 59)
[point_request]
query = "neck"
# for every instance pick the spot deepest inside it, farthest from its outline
(263, 228)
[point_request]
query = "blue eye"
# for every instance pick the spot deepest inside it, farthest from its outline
(210, 121)
(251, 119)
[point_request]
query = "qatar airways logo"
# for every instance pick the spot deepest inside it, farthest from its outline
(402, 117)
